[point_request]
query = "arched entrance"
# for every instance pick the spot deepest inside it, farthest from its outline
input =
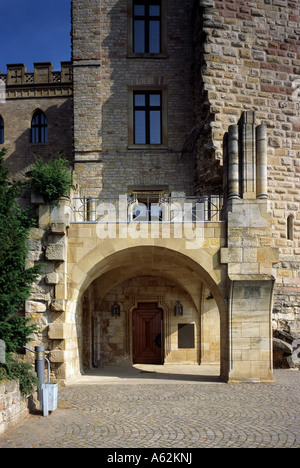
(142, 275)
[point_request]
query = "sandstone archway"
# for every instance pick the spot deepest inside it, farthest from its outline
(189, 274)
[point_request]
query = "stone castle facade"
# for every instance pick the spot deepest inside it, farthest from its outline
(181, 123)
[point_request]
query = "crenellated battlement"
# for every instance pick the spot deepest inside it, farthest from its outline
(43, 74)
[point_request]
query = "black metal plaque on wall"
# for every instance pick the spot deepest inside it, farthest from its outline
(186, 335)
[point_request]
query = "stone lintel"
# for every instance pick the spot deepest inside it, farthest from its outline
(258, 277)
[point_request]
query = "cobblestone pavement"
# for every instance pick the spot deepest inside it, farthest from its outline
(183, 412)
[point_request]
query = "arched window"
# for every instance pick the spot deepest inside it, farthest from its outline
(39, 128)
(290, 227)
(1, 131)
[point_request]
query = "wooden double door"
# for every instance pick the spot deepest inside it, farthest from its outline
(148, 340)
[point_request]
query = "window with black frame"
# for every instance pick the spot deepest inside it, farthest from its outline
(39, 128)
(1, 130)
(147, 26)
(147, 108)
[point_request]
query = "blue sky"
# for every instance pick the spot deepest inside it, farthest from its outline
(34, 31)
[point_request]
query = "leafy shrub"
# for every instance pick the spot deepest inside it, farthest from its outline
(14, 369)
(16, 331)
(15, 280)
(52, 179)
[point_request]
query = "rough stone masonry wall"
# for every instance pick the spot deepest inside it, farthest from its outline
(248, 58)
(13, 406)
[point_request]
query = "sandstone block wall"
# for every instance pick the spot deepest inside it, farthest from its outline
(248, 58)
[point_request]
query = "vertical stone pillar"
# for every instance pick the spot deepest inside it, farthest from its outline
(248, 147)
(261, 162)
(233, 162)
(250, 286)
(249, 261)
(250, 306)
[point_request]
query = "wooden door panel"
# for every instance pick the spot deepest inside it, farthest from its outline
(147, 339)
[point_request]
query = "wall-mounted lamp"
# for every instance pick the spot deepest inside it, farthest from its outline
(115, 310)
(178, 309)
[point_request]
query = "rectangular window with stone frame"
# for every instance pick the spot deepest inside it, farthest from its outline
(147, 28)
(147, 108)
(147, 118)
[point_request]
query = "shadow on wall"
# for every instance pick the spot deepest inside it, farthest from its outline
(60, 139)
(208, 169)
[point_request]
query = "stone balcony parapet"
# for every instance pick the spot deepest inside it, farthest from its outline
(43, 73)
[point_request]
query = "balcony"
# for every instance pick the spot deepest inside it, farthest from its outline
(156, 210)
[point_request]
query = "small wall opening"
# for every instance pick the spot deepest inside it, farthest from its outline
(290, 227)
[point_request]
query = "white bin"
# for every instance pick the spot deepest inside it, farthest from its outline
(49, 397)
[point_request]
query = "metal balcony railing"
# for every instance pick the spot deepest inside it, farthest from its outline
(147, 209)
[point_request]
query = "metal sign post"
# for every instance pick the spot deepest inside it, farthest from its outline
(40, 363)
